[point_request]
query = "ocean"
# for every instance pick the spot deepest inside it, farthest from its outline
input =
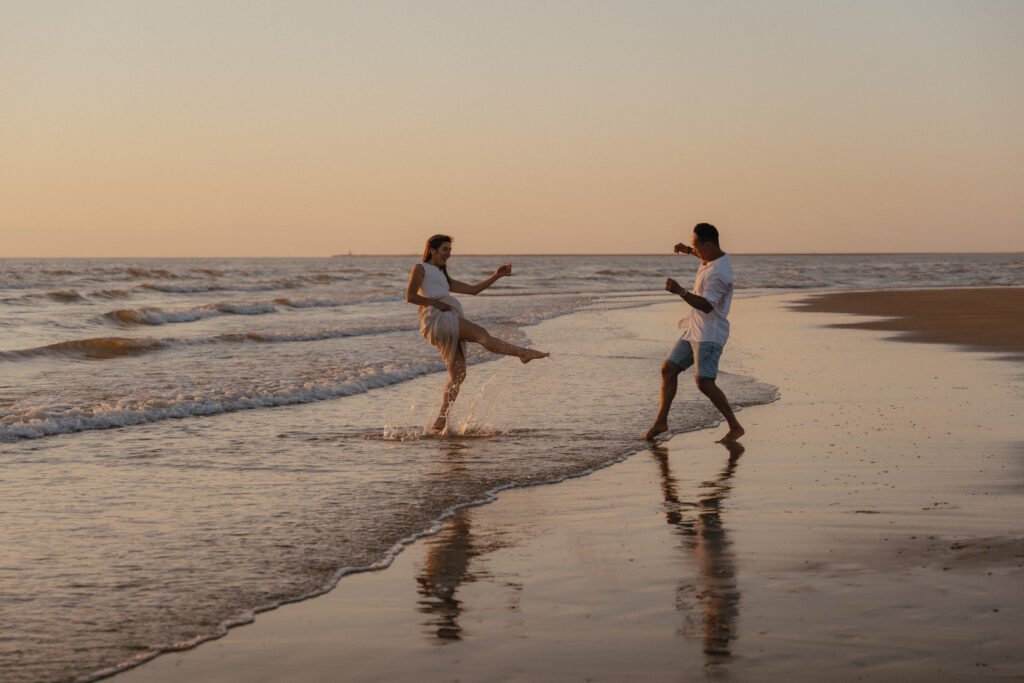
(186, 442)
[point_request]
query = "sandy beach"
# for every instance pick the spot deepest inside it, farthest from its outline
(869, 528)
(980, 319)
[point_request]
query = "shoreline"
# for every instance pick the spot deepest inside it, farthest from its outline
(436, 527)
(979, 318)
(341, 612)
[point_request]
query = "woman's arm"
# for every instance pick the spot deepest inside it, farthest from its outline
(412, 290)
(463, 288)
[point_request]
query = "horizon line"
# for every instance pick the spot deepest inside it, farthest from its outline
(508, 254)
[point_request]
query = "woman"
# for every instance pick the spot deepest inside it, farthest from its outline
(442, 321)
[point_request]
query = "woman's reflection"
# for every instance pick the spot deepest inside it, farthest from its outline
(699, 525)
(446, 568)
(454, 555)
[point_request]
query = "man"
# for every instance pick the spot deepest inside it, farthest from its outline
(704, 333)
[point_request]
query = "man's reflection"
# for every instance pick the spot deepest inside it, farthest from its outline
(699, 525)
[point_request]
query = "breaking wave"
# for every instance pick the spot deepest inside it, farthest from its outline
(65, 296)
(193, 288)
(98, 348)
(161, 316)
(110, 294)
(35, 421)
(334, 303)
(106, 348)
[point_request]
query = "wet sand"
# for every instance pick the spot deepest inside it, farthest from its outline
(871, 527)
(983, 319)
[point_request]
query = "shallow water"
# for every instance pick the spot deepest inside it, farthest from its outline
(93, 343)
(230, 452)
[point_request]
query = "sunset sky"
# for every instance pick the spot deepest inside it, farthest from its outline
(210, 128)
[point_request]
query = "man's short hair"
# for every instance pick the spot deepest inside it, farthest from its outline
(706, 232)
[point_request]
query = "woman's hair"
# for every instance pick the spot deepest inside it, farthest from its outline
(435, 242)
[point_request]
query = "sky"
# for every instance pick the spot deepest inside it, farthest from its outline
(134, 128)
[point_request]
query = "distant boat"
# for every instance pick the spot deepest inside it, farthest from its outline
(342, 255)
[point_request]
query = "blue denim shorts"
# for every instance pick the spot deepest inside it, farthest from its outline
(708, 354)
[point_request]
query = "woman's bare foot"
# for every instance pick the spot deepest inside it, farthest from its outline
(533, 355)
(440, 424)
(656, 428)
(734, 434)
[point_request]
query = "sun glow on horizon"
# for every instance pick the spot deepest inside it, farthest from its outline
(222, 129)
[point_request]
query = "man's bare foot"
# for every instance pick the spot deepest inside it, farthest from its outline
(656, 428)
(533, 355)
(734, 434)
(440, 424)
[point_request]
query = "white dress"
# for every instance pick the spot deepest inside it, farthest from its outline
(441, 328)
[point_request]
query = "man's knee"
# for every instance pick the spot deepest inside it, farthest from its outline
(705, 384)
(670, 370)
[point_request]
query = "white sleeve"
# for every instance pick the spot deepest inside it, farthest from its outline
(716, 289)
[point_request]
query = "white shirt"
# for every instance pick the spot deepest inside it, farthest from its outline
(435, 286)
(713, 282)
(441, 328)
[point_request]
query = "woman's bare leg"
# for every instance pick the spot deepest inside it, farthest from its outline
(456, 375)
(474, 333)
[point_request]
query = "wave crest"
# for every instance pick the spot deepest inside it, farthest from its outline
(66, 296)
(154, 316)
(178, 289)
(161, 316)
(97, 348)
(141, 273)
(110, 294)
(245, 309)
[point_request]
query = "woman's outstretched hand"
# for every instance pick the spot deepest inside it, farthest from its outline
(503, 271)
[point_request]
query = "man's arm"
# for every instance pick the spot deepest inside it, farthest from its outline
(698, 302)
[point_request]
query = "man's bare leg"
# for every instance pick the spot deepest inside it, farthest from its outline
(669, 384)
(711, 390)
(456, 375)
(474, 333)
